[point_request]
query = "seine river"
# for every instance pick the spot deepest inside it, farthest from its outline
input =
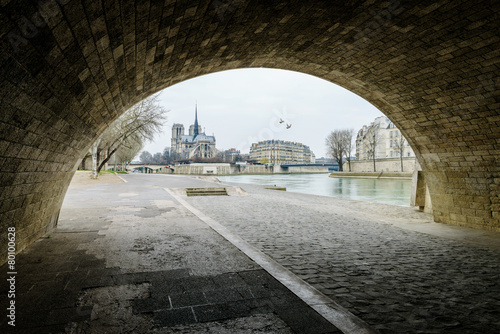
(374, 190)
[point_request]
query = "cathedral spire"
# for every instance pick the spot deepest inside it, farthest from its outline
(196, 132)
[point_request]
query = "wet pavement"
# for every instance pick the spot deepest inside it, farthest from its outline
(133, 258)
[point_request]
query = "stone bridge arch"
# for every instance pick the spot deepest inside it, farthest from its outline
(70, 67)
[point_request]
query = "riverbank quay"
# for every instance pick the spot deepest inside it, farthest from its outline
(236, 169)
(126, 257)
(373, 175)
(232, 169)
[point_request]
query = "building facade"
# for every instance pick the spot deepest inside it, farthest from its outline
(382, 139)
(281, 152)
(194, 145)
(231, 155)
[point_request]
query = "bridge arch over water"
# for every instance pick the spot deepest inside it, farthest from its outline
(69, 68)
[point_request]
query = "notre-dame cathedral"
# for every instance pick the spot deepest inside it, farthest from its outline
(196, 144)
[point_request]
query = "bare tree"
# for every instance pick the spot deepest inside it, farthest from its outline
(146, 157)
(399, 144)
(167, 156)
(348, 137)
(373, 138)
(126, 153)
(337, 144)
(136, 126)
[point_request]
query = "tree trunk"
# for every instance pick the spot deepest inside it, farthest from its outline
(341, 168)
(401, 161)
(374, 169)
(107, 159)
(95, 157)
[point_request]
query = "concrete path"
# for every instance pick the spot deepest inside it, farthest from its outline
(128, 258)
(132, 257)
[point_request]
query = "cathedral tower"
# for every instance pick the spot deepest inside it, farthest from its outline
(195, 129)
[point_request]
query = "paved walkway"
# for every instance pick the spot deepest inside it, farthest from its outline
(131, 258)
(127, 258)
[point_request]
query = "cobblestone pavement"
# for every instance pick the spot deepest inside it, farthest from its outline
(397, 280)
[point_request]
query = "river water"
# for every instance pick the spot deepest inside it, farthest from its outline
(388, 191)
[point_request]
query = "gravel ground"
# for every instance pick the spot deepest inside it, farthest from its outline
(82, 178)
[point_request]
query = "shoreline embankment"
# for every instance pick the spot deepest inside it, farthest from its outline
(373, 175)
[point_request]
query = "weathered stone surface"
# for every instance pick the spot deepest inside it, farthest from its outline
(68, 68)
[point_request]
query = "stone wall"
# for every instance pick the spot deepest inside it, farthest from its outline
(200, 169)
(222, 169)
(303, 169)
(420, 195)
(227, 169)
(386, 165)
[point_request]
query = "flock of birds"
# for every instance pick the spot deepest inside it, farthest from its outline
(288, 126)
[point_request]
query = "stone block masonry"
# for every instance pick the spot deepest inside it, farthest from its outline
(382, 165)
(69, 69)
(227, 169)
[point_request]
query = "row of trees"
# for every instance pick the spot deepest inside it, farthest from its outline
(166, 157)
(339, 145)
(126, 136)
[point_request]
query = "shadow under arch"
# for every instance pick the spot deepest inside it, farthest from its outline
(64, 81)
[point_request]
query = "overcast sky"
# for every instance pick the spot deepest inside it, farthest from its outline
(244, 106)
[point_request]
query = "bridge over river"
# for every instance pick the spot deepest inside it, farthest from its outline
(227, 168)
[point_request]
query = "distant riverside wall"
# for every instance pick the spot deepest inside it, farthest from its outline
(385, 165)
(228, 169)
(305, 169)
(373, 175)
